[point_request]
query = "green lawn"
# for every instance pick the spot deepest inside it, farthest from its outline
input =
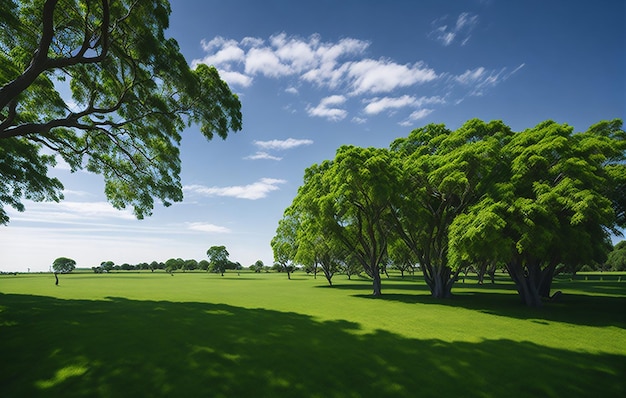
(261, 335)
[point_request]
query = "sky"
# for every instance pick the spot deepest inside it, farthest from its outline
(315, 75)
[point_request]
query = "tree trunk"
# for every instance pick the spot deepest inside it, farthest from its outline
(377, 285)
(545, 283)
(527, 283)
(440, 281)
(56, 279)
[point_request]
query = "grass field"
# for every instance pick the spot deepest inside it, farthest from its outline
(261, 335)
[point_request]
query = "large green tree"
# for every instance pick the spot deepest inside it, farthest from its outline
(99, 85)
(284, 244)
(555, 204)
(350, 200)
(443, 173)
(218, 259)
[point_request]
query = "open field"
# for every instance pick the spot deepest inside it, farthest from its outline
(261, 335)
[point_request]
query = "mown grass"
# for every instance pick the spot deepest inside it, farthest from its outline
(261, 335)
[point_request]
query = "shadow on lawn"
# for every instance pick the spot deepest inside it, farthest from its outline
(126, 348)
(598, 303)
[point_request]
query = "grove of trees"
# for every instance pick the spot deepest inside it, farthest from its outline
(132, 93)
(539, 201)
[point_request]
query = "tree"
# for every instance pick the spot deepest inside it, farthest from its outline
(203, 265)
(62, 265)
(174, 264)
(401, 257)
(315, 249)
(616, 260)
(190, 265)
(258, 266)
(132, 93)
(107, 265)
(284, 243)
(350, 198)
(350, 266)
(218, 259)
(552, 206)
(443, 173)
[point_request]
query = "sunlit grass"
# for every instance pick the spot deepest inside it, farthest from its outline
(198, 334)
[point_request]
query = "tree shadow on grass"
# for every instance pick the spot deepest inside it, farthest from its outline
(597, 303)
(127, 348)
(577, 309)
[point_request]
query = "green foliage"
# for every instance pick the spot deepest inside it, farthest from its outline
(218, 259)
(444, 173)
(132, 93)
(616, 260)
(540, 201)
(342, 207)
(63, 265)
(258, 266)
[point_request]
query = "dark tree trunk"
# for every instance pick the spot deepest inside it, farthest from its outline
(545, 282)
(440, 280)
(377, 284)
(56, 282)
(526, 282)
(492, 275)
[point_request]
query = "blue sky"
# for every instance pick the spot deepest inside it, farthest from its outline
(313, 75)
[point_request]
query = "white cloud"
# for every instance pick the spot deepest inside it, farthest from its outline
(327, 110)
(479, 79)
(282, 144)
(377, 105)
(254, 191)
(68, 211)
(461, 30)
(415, 116)
(235, 78)
(321, 63)
(229, 52)
(206, 227)
(262, 156)
(420, 114)
(265, 61)
(67, 192)
(380, 76)
(471, 76)
(344, 70)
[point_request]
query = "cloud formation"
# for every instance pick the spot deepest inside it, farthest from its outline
(343, 71)
(262, 156)
(329, 108)
(257, 190)
(460, 31)
(206, 227)
(378, 105)
(280, 145)
(70, 211)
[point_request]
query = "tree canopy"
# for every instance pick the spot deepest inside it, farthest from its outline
(218, 259)
(131, 93)
(63, 265)
(538, 201)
